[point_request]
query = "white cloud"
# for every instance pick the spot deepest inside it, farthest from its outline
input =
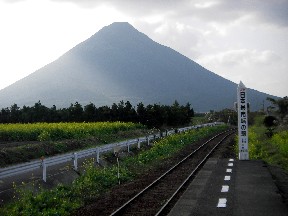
(261, 70)
(232, 38)
(35, 33)
(205, 4)
(234, 58)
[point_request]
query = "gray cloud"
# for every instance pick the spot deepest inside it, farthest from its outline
(236, 39)
(275, 12)
(234, 58)
(13, 1)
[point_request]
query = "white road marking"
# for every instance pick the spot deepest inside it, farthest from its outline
(227, 178)
(225, 188)
(230, 164)
(222, 203)
(229, 170)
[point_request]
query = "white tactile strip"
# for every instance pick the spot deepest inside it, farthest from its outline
(222, 202)
(230, 164)
(225, 189)
(227, 178)
(229, 170)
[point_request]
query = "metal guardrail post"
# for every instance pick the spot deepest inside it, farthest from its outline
(23, 168)
(128, 147)
(44, 170)
(98, 155)
(75, 157)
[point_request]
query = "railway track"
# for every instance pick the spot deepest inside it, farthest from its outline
(156, 198)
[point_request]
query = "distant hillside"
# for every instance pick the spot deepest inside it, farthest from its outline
(121, 63)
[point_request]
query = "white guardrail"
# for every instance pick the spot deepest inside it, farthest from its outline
(63, 158)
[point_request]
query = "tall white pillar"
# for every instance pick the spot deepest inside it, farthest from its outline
(242, 121)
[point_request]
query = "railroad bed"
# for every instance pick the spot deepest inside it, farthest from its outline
(156, 192)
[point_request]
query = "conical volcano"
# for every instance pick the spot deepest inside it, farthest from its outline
(121, 63)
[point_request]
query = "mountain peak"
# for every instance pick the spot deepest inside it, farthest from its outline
(119, 28)
(121, 63)
(119, 35)
(123, 24)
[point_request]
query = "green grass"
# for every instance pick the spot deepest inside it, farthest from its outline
(272, 150)
(60, 131)
(57, 138)
(63, 200)
(197, 120)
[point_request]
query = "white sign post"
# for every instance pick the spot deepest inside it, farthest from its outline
(242, 121)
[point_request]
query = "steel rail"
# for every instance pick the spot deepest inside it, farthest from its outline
(190, 175)
(125, 205)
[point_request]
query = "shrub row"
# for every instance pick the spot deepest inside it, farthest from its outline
(273, 150)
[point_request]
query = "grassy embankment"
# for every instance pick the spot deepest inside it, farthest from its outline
(63, 200)
(272, 150)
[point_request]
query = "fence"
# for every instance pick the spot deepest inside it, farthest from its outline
(45, 162)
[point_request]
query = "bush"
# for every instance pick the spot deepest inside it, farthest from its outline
(273, 150)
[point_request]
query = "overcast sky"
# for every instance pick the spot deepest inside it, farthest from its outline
(238, 39)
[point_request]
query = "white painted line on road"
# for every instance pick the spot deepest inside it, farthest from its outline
(227, 178)
(222, 203)
(230, 164)
(225, 188)
(231, 159)
(229, 170)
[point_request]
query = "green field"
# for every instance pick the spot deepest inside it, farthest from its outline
(60, 131)
(63, 200)
(24, 142)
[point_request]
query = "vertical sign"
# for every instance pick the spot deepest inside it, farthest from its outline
(242, 121)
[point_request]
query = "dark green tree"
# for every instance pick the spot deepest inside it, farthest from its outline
(90, 113)
(76, 112)
(141, 113)
(281, 106)
(39, 113)
(5, 115)
(15, 113)
(129, 113)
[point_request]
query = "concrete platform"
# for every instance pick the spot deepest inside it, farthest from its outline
(231, 187)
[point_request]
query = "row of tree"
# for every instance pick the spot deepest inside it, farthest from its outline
(151, 115)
